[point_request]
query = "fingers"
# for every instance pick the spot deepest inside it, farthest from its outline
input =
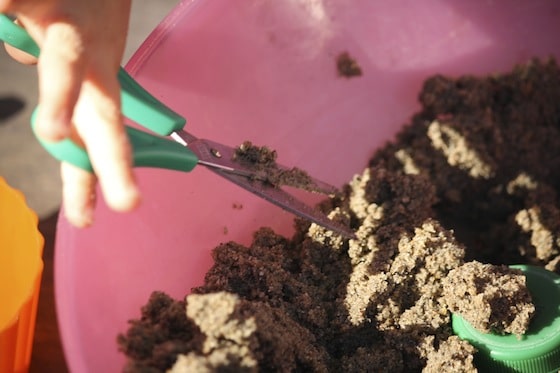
(80, 88)
(99, 122)
(61, 73)
(81, 48)
(97, 118)
(78, 195)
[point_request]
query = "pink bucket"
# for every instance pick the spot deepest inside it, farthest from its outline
(266, 71)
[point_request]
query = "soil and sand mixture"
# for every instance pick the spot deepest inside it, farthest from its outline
(262, 161)
(468, 187)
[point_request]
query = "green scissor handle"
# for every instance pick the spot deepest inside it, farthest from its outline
(137, 104)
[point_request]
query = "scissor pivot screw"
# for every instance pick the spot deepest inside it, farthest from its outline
(216, 153)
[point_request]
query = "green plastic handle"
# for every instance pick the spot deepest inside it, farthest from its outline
(146, 110)
(16, 36)
(137, 104)
(147, 151)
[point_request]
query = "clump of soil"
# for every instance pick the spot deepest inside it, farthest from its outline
(485, 295)
(472, 179)
(347, 66)
(262, 160)
(256, 156)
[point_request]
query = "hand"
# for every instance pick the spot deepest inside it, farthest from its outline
(82, 43)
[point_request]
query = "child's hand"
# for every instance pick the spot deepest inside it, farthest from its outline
(82, 43)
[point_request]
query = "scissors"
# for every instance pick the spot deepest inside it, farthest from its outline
(174, 148)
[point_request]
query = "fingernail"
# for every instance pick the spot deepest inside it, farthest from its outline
(80, 219)
(125, 198)
(88, 212)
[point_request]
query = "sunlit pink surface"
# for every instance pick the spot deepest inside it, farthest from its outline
(264, 70)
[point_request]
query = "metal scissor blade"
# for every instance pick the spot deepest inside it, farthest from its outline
(285, 201)
(220, 156)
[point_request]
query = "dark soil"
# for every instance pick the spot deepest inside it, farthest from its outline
(262, 161)
(347, 66)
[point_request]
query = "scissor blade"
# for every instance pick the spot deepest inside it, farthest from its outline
(219, 156)
(220, 159)
(286, 201)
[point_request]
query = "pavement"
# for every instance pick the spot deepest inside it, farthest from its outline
(23, 162)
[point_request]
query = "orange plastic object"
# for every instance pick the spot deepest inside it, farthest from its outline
(21, 267)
